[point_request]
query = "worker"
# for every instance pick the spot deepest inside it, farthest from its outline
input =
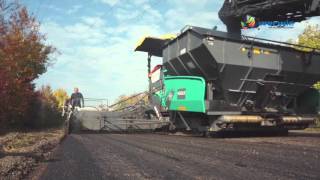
(77, 99)
(66, 107)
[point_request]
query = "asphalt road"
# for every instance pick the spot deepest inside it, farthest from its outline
(150, 156)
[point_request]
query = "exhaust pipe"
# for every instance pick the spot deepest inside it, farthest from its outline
(298, 120)
(252, 119)
(240, 119)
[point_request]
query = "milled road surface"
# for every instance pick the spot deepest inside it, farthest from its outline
(150, 156)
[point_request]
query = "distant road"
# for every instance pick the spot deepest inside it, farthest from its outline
(150, 156)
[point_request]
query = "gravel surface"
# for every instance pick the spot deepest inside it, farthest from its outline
(21, 152)
(151, 156)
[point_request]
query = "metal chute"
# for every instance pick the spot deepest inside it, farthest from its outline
(154, 45)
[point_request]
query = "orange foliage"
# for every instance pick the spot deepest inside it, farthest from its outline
(23, 57)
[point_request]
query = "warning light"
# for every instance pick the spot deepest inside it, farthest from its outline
(182, 108)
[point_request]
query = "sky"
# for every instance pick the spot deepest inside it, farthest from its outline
(95, 39)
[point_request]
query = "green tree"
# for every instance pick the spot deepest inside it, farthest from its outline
(317, 85)
(311, 38)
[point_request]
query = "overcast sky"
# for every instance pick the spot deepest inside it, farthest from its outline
(96, 39)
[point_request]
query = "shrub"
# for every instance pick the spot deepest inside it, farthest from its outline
(44, 111)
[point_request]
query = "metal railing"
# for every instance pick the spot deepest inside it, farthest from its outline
(129, 107)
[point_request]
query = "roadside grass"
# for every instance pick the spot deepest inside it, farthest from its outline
(21, 141)
(22, 151)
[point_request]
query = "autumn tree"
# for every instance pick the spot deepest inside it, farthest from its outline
(45, 112)
(61, 96)
(23, 57)
(47, 95)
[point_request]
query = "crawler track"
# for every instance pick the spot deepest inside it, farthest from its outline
(153, 156)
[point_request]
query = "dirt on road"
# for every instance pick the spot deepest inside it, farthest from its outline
(151, 156)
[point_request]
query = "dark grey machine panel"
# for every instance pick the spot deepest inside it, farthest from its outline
(241, 69)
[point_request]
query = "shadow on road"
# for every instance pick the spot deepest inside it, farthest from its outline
(217, 135)
(304, 134)
(113, 132)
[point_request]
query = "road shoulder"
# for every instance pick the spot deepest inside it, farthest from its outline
(22, 152)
